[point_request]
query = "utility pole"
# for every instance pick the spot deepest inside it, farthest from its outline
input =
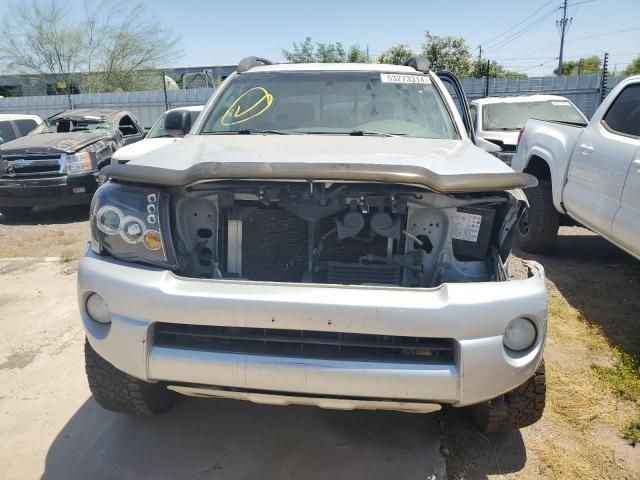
(164, 87)
(603, 79)
(562, 25)
(580, 66)
(486, 79)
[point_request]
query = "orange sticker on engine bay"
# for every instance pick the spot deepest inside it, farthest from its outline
(249, 105)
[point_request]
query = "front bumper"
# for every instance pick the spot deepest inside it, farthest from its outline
(54, 191)
(474, 314)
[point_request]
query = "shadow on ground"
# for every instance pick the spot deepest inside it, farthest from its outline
(52, 215)
(476, 456)
(203, 438)
(600, 280)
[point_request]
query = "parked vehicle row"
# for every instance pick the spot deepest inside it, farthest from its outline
(336, 232)
(14, 126)
(589, 172)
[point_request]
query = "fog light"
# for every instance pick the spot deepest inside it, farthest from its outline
(98, 309)
(520, 334)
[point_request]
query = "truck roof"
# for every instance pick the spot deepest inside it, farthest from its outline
(333, 67)
(518, 99)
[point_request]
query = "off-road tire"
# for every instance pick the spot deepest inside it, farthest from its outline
(518, 408)
(122, 393)
(15, 213)
(542, 218)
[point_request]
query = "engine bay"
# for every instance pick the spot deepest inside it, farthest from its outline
(342, 233)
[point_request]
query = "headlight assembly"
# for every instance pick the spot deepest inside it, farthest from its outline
(79, 163)
(132, 224)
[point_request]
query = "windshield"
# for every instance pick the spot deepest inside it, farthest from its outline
(513, 116)
(356, 103)
(158, 131)
(63, 125)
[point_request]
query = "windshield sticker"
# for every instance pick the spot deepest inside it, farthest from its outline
(251, 104)
(405, 79)
(466, 226)
(560, 104)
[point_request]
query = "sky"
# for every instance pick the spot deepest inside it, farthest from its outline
(219, 33)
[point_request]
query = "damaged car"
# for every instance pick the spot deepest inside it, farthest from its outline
(328, 235)
(58, 163)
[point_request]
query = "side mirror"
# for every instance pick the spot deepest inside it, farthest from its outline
(178, 121)
(487, 146)
(1, 140)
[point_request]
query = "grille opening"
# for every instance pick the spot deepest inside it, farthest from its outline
(306, 343)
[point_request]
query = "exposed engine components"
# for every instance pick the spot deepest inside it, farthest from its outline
(386, 225)
(350, 225)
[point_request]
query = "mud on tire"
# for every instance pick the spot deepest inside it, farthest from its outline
(538, 228)
(119, 392)
(518, 408)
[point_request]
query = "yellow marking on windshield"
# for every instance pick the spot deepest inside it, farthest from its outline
(236, 114)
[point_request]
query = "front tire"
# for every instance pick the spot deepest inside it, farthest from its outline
(538, 227)
(519, 408)
(15, 213)
(122, 393)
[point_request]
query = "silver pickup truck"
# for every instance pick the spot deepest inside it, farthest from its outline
(325, 235)
(589, 172)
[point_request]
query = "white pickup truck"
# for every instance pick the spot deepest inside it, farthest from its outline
(589, 172)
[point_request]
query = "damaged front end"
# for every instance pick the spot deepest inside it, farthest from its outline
(354, 234)
(328, 232)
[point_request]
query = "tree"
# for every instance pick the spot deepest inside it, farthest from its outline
(396, 55)
(307, 52)
(112, 47)
(357, 55)
(479, 69)
(40, 39)
(447, 52)
(583, 66)
(633, 68)
(130, 46)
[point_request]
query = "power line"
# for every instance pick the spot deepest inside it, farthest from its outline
(517, 24)
(538, 65)
(524, 30)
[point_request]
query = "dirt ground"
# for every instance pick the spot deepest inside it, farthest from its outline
(55, 430)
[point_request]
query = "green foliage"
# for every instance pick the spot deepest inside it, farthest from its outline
(448, 52)
(583, 66)
(357, 55)
(307, 52)
(396, 55)
(624, 379)
(633, 68)
(479, 69)
(632, 432)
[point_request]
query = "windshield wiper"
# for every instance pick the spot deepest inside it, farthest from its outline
(358, 133)
(249, 131)
(507, 129)
(363, 133)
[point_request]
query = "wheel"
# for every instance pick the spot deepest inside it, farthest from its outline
(15, 213)
(518, 408)
(122, 393)
(538, 226)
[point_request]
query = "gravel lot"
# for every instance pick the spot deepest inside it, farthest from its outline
(53, 428)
